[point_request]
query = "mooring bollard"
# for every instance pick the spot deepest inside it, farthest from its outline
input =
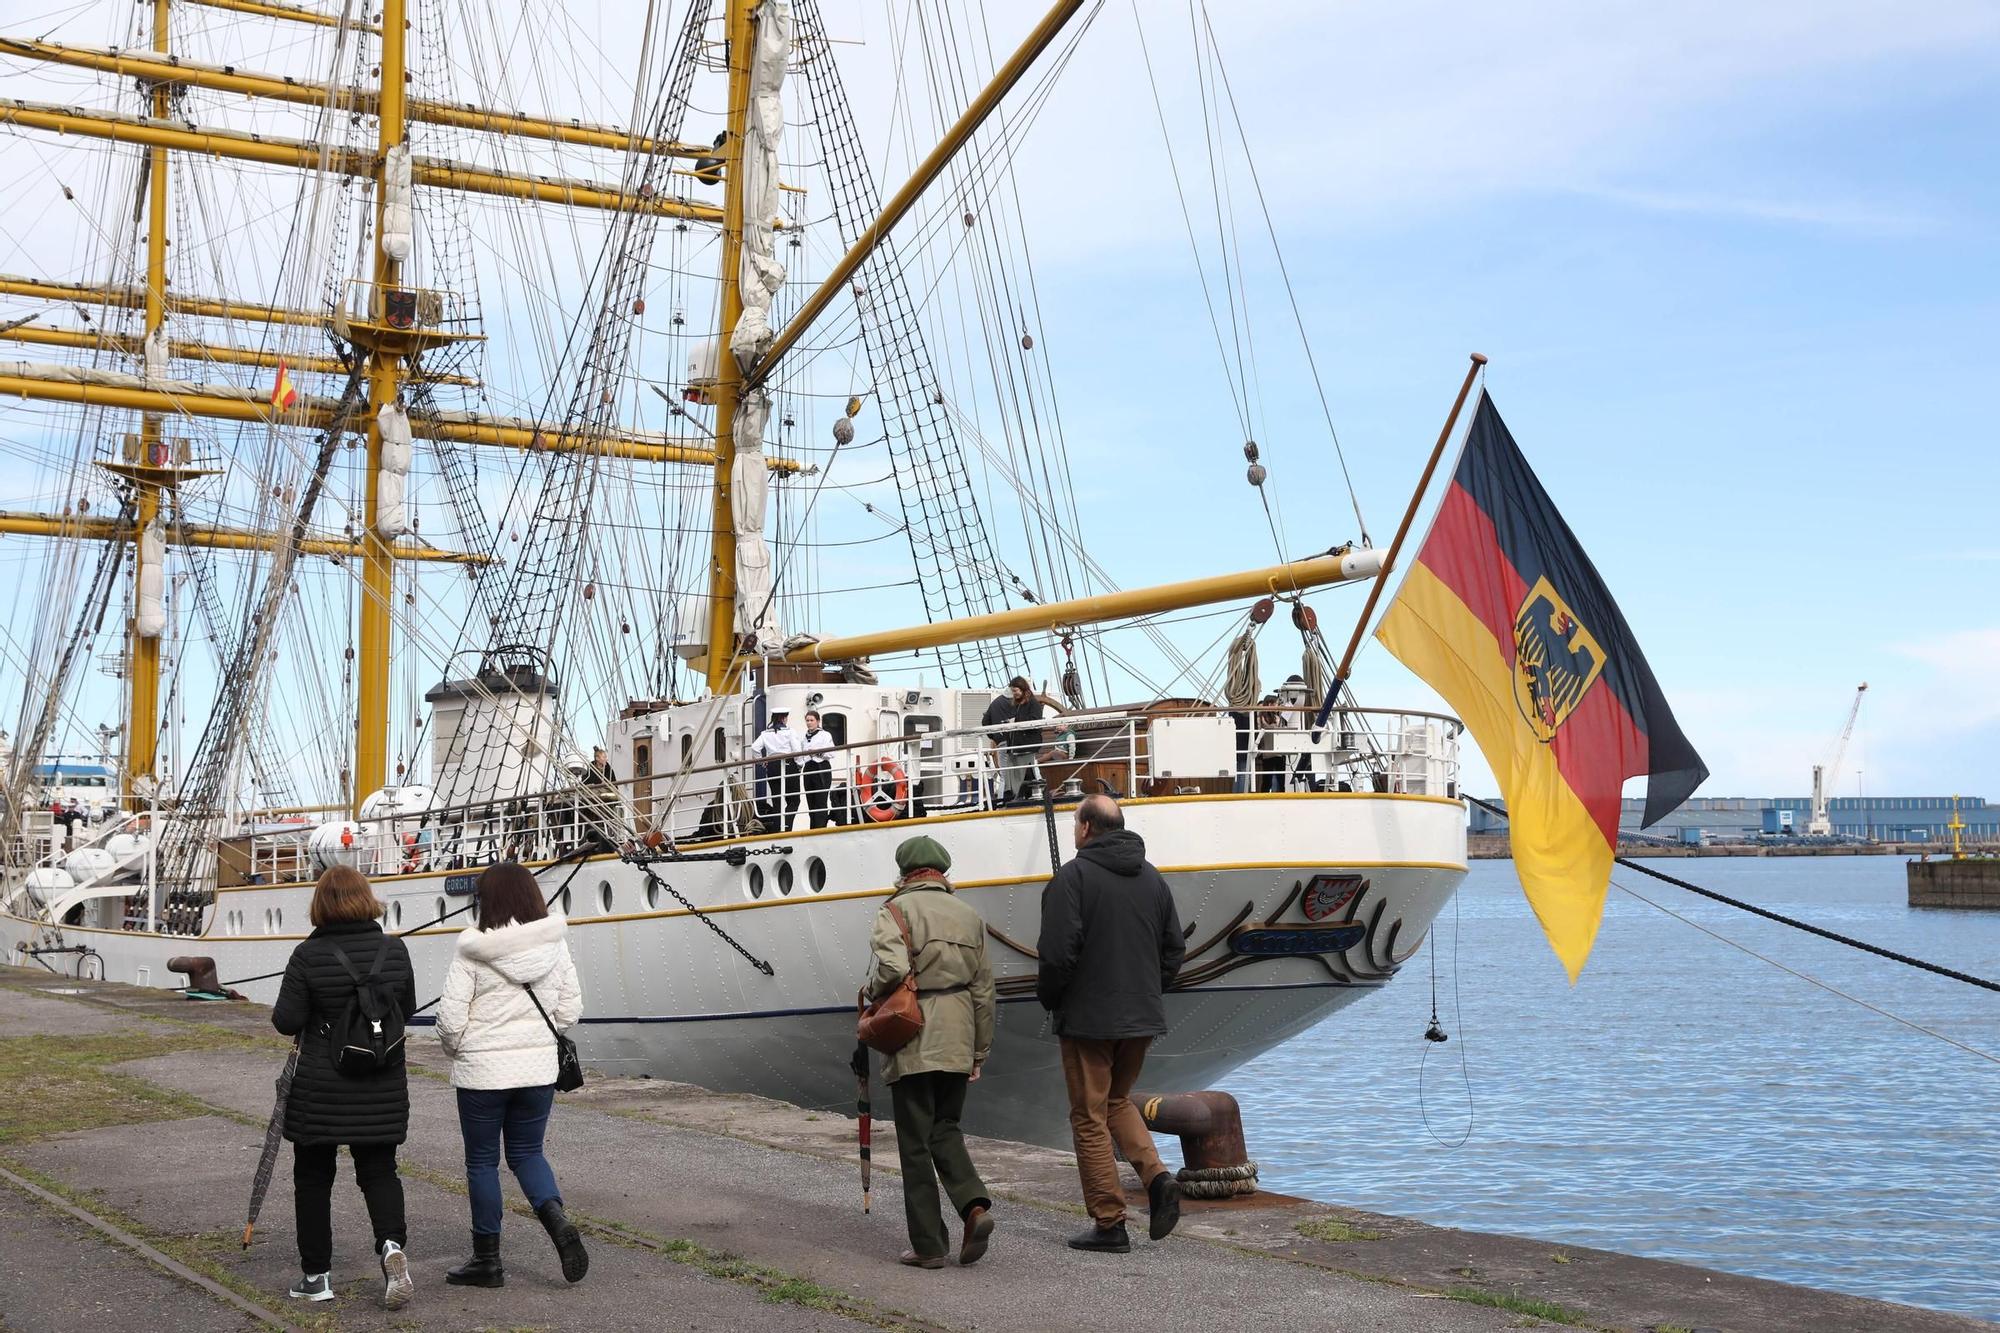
(1210, 1127)
(199, 970)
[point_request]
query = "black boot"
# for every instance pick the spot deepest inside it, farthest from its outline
(569, 1245)
(483, 1268)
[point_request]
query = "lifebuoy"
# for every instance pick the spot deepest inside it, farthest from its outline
(883, 789)
(412, 853)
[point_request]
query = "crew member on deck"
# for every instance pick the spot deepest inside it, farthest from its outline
(1015, 749)
(777, 746)
(816, 770)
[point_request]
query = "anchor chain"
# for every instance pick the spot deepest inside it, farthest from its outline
(734, 856)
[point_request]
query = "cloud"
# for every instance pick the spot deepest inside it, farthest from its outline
(1832, 214)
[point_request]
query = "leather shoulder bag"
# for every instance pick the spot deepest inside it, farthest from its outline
(893, 1022)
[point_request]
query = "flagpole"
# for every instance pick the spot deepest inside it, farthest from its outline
(1403, 528)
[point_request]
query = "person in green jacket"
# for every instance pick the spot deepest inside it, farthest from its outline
(946, 947)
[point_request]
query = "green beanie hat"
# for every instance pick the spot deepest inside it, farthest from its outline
(921, 853)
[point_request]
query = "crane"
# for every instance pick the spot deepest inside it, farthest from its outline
(1819, 826)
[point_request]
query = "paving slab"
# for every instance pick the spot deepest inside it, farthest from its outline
(57, 1276)
(779, 1185)
(27, 1013)
(801, 1213)
(190, 1179)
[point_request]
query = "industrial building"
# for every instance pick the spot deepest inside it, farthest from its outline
(1751, 818)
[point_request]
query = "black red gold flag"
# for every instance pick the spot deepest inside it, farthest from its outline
(1504, 615)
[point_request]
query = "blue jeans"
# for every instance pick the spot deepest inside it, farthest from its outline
(520, 1115)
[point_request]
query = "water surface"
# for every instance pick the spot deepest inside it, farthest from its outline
(1684, 1100)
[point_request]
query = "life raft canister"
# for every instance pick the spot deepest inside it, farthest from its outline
(884, 790)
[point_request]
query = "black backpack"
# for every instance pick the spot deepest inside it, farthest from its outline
(368, 1035)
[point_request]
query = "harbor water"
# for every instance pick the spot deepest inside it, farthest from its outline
(1685, 1100)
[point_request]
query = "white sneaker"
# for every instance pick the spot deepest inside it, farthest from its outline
(396, 1285)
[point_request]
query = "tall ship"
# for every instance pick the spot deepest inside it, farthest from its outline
(414, 472)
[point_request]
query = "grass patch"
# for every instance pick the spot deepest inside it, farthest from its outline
(56, 1085)
(1335, 1231)
(773, 1285)
(777, 1287)
(1506, 1300)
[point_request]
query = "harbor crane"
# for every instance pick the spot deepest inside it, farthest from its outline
(1819, 826)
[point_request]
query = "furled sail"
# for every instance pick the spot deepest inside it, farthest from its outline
(391, 514)
(761, 276)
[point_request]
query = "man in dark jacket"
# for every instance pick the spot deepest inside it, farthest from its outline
(369, 1113)
(1111, 943)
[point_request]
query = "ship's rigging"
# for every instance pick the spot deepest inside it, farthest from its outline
(590, 537)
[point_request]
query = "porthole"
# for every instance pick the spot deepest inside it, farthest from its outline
(815, 873)
(604, 896)
(785, 877)
(396, 910)
(652, 895)
(268, 928)
(441, 909)
(279, 916)
(565, 902)
(756, 881)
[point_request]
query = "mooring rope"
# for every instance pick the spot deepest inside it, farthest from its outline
(1779, 917)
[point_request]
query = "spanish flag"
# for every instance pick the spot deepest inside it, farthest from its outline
(284, 395)
(1503, 614)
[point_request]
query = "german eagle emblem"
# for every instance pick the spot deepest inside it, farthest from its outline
(1555, 660)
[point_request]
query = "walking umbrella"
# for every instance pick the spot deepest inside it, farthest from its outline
(274, 1134)
(865, 1122)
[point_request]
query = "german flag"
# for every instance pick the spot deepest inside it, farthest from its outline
(1504, 615)
(284, 394)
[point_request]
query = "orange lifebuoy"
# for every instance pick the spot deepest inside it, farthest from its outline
(412, 853)
(884, 790)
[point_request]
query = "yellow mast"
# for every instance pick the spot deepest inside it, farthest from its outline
(371, 688)
(142, 654)
(722, 665)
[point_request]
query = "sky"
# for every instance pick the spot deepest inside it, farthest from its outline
(1735, 269)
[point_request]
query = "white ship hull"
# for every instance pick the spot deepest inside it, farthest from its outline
(666, 996)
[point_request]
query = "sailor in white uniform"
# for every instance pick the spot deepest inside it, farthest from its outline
(816, 769)
(778, 772)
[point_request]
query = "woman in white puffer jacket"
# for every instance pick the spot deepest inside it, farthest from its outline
(503, 1060)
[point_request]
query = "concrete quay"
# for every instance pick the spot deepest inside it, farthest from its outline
(131, 1123)
(1972, 881)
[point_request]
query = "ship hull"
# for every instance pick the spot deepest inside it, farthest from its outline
(669, 993)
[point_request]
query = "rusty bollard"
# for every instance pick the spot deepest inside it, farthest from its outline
(1210, 1126)
(199, 970)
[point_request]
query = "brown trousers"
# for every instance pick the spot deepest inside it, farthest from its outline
(1100, 1075)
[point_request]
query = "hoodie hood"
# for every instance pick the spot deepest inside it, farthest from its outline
(1121, 851)
(524, 953)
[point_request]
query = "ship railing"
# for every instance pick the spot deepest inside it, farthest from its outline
(43, 848)
(1164, 750)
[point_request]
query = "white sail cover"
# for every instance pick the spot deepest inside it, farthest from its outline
(149, 615)
(156, 357)
(391, 514)
(749, 484)
(760, 273)
(398, 222)
(760, 276)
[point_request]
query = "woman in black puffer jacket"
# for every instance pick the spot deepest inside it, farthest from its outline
(370, 1114)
